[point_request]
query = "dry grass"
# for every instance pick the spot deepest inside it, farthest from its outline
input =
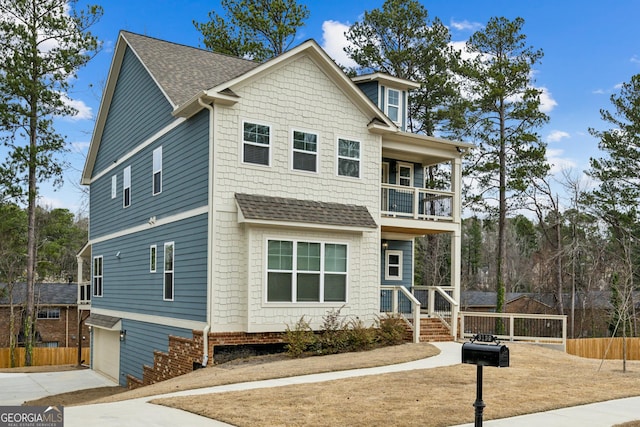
(538, 379)
(252, 369)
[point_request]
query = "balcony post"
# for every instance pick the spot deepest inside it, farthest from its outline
(456, 256)
(456, 186)
(416, 201)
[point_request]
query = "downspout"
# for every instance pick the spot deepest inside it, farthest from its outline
(211, 232)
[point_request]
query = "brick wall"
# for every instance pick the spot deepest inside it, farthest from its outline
(183, 352)
(64, 330)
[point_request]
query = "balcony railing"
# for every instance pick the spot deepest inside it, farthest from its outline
(416, 203)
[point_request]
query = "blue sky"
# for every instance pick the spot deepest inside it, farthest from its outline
(589, 49)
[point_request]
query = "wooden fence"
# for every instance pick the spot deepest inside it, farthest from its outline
(595, 348)
(45, 356)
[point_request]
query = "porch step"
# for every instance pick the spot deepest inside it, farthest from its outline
(433, 330)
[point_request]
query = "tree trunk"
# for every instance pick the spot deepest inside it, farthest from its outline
(29, 332)
(560, 303)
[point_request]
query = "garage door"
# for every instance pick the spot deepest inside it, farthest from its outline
(106, 353)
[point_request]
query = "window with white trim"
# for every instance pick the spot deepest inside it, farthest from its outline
(393, 105)
(49, 313)
(114, 186)
(126, 187)
(305, 151)
(299, 271)
(348, 158)
(256, 143)
(169, 255)
(157, 171)
(393, 265)
(153, 252)
(405, 174)
(97, 276)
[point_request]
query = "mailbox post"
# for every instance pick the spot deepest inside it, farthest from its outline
(481, 352)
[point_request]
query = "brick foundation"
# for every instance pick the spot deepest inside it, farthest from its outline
(184, 352)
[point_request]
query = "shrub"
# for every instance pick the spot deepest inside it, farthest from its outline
(391, 329)
(359, 337)
(300, 339)
(333, 337)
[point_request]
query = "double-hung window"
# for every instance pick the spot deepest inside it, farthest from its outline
(393, 265)
(299, 271)
(348, 158)
(256, 143)
(305, 151)
(169, 255)
(157, 171)
(97, 276)
(393, 105)
(405, 175)
(126, 187)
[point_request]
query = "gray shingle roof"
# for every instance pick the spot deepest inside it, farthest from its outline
(303, 211)
(184, 71)
(45, 294)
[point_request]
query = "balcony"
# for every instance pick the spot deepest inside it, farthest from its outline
(417, 203)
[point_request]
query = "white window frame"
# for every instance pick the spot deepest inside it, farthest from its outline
(126, 185)
(170, 271)
(157, 170)
(388, 265)
(48, 313)
(398, 176)
(397, 106)
(256, 144)
(153, 258)
(114, 186)
(97, 277)
(295, 271)
(349, 158)
(303, 151)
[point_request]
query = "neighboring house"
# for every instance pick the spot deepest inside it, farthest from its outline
(57, 314)
(230, 198)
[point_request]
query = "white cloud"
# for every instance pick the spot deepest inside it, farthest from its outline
(80, 147)
(84, 112)
(557, 135)
(635, 59)
(334, 42)
(559, 163)
(547, 103)
(465, 25)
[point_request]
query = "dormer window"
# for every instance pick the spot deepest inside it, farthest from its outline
(393, 105)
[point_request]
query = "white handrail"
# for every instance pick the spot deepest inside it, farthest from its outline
(415, 306)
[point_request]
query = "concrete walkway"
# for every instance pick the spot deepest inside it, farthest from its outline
(139, 413)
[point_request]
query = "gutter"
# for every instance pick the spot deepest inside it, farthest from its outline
(211, 232)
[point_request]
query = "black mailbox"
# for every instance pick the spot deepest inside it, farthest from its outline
(485, 354)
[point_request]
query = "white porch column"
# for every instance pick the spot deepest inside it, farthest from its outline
(456, 254)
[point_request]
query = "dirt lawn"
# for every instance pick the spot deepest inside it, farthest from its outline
(538, 379)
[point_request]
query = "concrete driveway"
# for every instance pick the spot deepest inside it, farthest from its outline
(20, 387)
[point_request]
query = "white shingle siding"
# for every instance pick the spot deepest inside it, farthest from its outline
(296, 95)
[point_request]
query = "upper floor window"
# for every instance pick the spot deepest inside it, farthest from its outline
(393, 105)
(126, 187)
(300, 271)
(114, 186)
(168, 270)
(348, 158)
(157, 171)
(405, 175)
(49, 313)
(153, 250)
(97, 276)
(305, 151)
(256, 143)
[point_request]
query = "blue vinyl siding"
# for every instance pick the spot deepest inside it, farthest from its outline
(370, 89)
(141, 341)
(407, 263)
(138, 110)
(129, 286)
(184, 181)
